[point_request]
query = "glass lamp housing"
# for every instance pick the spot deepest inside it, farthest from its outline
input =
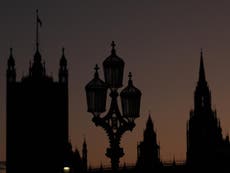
(130, 100)
(96, 93)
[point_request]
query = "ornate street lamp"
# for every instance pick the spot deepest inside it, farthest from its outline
(130, 100)
(96, 92)
(114, 123)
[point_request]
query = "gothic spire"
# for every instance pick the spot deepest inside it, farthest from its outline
(201, 70)
(202, 95)
(63, 61)
(113, 51)
(63, 71)
(149, 122)
(11, 62)
(84, 156)
(11, 72)
(84, 143)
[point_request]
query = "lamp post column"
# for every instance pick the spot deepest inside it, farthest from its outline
(114, 123)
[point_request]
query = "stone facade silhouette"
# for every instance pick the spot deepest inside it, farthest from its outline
(37, 118)
(74, 161)
(206, 146)
(148, 151)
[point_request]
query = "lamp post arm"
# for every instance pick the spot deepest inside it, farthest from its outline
(115, 125)
(98, 121)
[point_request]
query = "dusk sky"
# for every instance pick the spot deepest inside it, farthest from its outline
(159, 41)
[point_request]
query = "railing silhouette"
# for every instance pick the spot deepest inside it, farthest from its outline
(109, 168)
(130, 166)
(173, 162)
(126, 166)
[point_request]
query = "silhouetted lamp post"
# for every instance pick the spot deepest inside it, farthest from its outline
(114, 123)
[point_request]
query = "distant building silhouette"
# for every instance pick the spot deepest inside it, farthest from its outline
(84, 157)
(37, 117)
(148, 151)
(206, 147)
(37, 128)
(74, 161)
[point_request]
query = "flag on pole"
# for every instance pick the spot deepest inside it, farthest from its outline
(39, 20)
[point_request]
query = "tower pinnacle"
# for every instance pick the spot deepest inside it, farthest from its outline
(11, 72)
(201, 70)
(149, 122)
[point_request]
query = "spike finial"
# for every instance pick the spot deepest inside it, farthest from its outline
(84, 141)
(96, 68)
(130, 83)
(11, 62)
(113, 47)
(201, 52)
(201, 70)
(130, 76)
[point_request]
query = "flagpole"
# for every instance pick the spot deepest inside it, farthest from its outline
(37, 44)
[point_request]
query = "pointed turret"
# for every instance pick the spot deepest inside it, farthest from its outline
(77, 160)
(201, 70)
(63, 71)
(84, 156)
(204, 134)
(149, 124)
(11, 72)
(149, 132)
(37, 69)
(101, 167)
(148, 149)
(202, 99)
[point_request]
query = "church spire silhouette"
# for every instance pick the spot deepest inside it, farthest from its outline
(149, 123)
(201, 70)
(202, 99)
(204, 134)
(63, 70)
(84, 156)
(148, 149)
